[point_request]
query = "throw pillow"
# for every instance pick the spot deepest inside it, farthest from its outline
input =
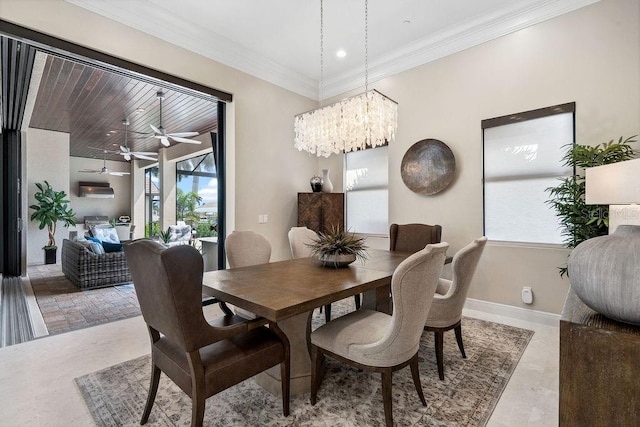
(179, 233)
(105, 234)
(93, 239)
(112, 247)
(96, 248)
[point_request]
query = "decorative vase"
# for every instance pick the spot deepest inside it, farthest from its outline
(605, 274)
(337, 260)
(316, 183)
(327, 186)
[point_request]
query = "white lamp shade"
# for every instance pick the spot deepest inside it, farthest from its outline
(614, 184)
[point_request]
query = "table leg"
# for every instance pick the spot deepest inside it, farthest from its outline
(297, 330)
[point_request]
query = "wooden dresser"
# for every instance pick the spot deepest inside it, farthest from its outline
(321, 211)
(599, 368)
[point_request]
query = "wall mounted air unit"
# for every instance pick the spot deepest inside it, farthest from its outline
(100, 190)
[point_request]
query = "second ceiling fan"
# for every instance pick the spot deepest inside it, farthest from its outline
(162, 134)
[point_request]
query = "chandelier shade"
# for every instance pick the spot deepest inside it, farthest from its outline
(369, 119)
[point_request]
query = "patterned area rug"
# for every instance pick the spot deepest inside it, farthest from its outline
(116, 395)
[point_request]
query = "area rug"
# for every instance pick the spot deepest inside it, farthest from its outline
(116, 395)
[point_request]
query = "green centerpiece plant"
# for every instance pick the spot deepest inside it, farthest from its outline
(338, 248)
(578, 220)
(52, 207)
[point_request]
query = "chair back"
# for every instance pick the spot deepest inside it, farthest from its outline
(168, 284)
(413, 285)
(413, 237)
(464, 266)
(246, 248)
(299, 237)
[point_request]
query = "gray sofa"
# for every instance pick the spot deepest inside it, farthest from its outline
(87, 270)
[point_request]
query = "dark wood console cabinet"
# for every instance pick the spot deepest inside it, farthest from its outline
(321, 211)
(599, 368)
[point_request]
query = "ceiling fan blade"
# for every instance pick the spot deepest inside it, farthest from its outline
(155, 129)
(89, 171)
(183, 134)
(185, 140)
(118, 173)
(165, 141)
(127, 156)
(124, 149)
(144, 153)
(139, 156)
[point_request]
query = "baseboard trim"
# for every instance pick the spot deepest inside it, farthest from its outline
(519, 313)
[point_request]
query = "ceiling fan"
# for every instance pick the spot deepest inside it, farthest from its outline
(162, 134)
(104, 170)
(126, 152)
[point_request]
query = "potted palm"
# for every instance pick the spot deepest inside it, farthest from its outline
(52, 207)
(338, 248)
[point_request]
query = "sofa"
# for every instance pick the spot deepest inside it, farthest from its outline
(88, 270)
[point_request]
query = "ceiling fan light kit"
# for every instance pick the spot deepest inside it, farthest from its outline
(164, 137)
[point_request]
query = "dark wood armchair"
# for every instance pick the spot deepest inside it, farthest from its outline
(413, 237)
(202, 358)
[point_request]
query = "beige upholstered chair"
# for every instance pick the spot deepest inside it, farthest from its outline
(245, 248)
(299, 237)
(446, 310)
(378, 342)
(202, 358)
(413, 237)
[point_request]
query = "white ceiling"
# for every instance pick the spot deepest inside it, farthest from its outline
(279, 40)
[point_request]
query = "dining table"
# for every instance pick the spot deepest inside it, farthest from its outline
(287, 292)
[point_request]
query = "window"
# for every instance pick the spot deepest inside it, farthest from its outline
(522, 158)
(367, 190)
(197, 194)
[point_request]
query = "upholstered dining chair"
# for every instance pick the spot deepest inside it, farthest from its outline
(245, 248)
(299, 238)
(202, 358)
(374, 341)
(413, 237)
(446, 309)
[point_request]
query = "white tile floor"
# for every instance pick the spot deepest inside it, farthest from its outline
(37, 388)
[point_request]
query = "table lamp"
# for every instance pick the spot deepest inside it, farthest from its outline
(605, 271)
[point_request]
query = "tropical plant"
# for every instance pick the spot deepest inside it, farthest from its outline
(338, 242)
(579, 221)
(52, 207)
(165, 236)
(186, 204)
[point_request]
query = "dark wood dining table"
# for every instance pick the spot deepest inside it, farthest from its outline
(286, 292)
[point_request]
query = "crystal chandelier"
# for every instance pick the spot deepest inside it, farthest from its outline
(369, 119)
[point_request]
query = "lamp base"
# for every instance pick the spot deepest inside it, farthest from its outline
(605, 274)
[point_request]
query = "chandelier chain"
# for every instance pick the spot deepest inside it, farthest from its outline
(321, 51)
(366, 45)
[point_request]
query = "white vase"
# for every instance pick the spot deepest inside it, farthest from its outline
(605, 274)
(327, 186)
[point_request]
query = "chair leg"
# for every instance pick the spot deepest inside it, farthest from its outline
(439, 335)
(316, 372)
(357, 300)
(415, 373)
(327, 313)
(386, 396)
(285, 378)
(151, 397)
(458, 331)
(197, 410)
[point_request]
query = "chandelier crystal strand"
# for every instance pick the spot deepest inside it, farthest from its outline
(369, 119)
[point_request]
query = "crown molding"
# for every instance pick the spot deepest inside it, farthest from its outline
(151, 19)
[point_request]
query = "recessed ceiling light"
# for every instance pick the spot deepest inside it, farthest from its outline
(406, 22)
(140, 110)
(341, 53)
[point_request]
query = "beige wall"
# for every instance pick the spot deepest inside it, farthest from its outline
(591, 56)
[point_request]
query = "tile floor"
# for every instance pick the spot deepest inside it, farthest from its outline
(37, 388)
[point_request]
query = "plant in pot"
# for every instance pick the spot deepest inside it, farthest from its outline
(52, 207)
(338, 248)
(579, 221)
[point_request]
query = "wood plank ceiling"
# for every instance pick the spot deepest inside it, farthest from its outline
(91, 103)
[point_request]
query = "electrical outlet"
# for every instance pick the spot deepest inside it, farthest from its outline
(527, 295)
(263, 218)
